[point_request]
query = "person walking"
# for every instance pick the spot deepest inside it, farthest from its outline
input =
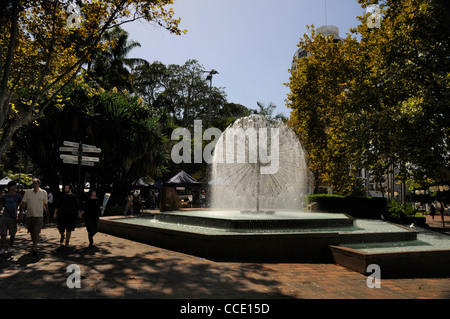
(91, 214)
(137, 203)
(66, 211)
(35, 202)
(203, 199)
(432, 211)
(10, 202)
(129, 204)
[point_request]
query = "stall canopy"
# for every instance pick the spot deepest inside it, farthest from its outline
(5, 181)
(182, 179)
(140, 183)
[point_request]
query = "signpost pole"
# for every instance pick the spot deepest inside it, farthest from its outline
(79, 158)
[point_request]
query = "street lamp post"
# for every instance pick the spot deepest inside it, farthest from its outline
(210, 78)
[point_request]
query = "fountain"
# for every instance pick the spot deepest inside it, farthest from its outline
(251, 179)
(258, 180)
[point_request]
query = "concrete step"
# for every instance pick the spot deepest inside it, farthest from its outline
(428, 255)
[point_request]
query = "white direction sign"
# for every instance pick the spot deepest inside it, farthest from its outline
(66, 161)
(75, 158)
(68, 149)
(91, 150)
(90, 159)
(72, 146)
(69, 157)
(74, 149)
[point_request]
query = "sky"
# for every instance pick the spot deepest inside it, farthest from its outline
(249, 42)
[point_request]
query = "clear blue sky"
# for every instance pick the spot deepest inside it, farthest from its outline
(250, 42)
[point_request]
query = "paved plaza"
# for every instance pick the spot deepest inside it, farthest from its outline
(120, 268)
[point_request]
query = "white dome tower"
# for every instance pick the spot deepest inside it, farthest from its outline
(326, 30)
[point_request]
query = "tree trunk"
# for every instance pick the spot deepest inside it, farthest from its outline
(10, 130)
(6, 69)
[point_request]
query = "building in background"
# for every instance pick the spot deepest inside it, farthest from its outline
(325, 30)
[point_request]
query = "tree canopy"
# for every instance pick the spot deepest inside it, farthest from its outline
(42, 50)
(378, 97)
(131, 135)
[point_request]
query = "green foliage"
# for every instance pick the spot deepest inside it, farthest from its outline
(41, 53)
(183, 92)
(322, 198)
(404, 213)
(375, 101)
(132, 136)
(111, 67)
(397, 208)
(25, 179)
(228, 114)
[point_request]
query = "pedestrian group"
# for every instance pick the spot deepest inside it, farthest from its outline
(35, 202)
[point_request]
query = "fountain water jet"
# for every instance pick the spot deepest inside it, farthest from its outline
(240, 183)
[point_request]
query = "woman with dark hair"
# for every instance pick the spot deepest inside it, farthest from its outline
(91, 214)
(66, 211)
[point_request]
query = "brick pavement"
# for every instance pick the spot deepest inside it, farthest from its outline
(437, 224)
(120, 268)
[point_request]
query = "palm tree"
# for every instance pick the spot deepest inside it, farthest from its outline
(111, 68)
(267, 110)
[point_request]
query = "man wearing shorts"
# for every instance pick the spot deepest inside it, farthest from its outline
(10, 201)
(35, 202)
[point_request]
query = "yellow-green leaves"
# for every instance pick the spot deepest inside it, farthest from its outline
(45, 43)
(360, 102)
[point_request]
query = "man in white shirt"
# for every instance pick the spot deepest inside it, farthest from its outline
(35, 202)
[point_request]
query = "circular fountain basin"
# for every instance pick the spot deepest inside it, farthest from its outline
(284, 235)
(229, 234)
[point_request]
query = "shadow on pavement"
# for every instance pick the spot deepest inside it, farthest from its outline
(111, 270)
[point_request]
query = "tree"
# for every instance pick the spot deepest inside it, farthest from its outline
(132, 136)
(377, 101)
(228, 114)
(322, 115)
(181, 89)
(408, 75)
(110, 67)
(150, 80)
(41, 53)
(267, 110)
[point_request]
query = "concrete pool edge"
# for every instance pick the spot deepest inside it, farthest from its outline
(395, 264)
(270, 247)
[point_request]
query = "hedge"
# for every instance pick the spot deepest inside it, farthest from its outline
(357, 207)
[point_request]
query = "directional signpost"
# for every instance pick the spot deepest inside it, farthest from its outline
(79, 156)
